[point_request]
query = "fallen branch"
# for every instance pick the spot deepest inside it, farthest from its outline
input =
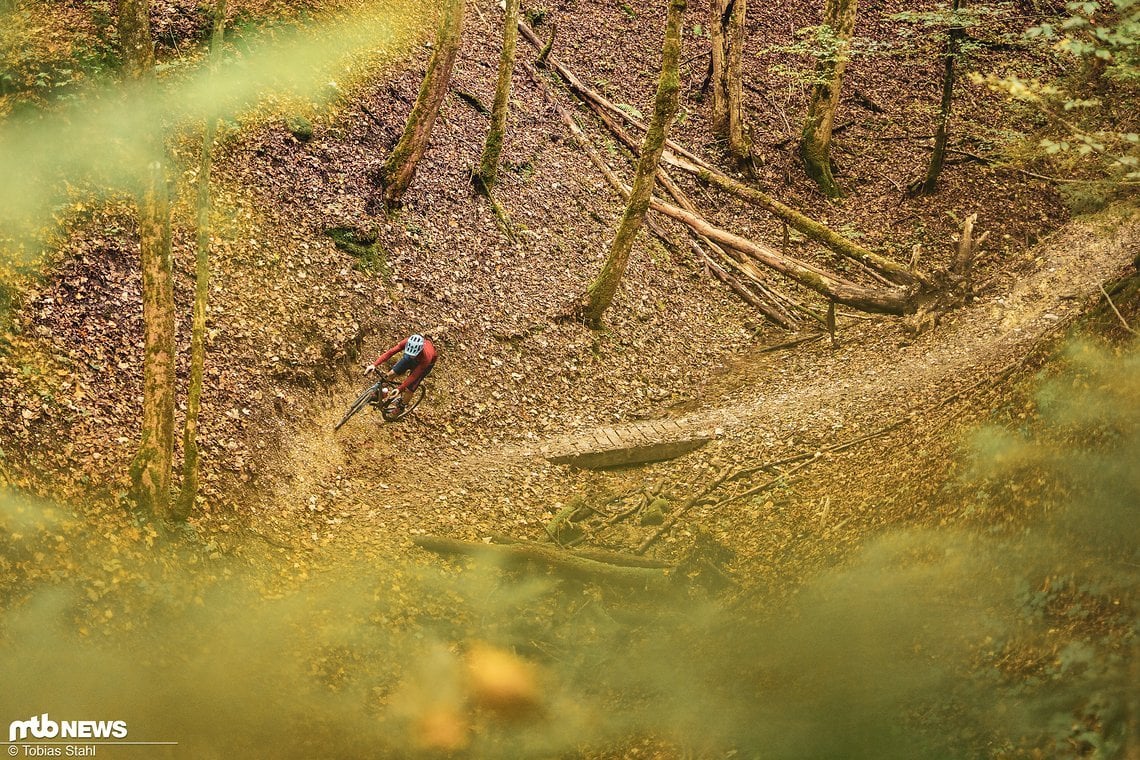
(621, 559)
(569, 565)
(771, 312)
(1116, 311)
(771, 482)
(472, 101)
(579, 88)
(862, 99)
(375, 119)
(728, 476)
(583, 142)
(678, 156)
(791, 343)
(562, 519)
(685, 160)
(587, 147)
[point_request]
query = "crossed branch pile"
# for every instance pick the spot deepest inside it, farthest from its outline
(741, 263)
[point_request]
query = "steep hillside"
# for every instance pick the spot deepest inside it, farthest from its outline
(290, 312)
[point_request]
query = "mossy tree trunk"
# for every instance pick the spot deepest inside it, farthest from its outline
(190, 465)
(151, 468)
(152, 465)
(488, 170)
(135, 43)
(400, 166)
(953, 43)
(601, 292)
(726, 30)
(815, 144)
(718, 11)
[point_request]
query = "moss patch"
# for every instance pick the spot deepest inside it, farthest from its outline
(363, 246)
(300, 127)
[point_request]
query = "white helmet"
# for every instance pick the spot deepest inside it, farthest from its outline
(414, 345)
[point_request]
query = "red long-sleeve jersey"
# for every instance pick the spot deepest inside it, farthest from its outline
(423, 361)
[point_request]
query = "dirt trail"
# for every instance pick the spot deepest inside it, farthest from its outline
(877, 375)
(359, 491)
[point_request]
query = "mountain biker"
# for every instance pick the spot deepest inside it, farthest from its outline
(417, 361)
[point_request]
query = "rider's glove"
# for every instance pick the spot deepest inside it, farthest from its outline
(370, 369)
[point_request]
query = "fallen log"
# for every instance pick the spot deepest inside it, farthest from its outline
(583, 142)
(880, 300)
(621, 559)
(677, 156)
(565, 564)
(808, 227)
(579, 88)
(772, 312)
(884, 300)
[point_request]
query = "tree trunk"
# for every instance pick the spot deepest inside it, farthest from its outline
(137, 48)
(400, 167)
(601, 292)
(815, 145)
(953, 42)
(151, 468)
(726, 29)
(190, 468)
(489, 164)
(718, 14)
(152, 465)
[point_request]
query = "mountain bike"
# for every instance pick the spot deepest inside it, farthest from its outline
(383, 395)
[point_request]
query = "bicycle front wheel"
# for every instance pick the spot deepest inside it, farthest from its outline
(392, 411)
(361, 402)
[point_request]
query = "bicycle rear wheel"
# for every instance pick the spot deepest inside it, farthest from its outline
(391, 412)
(361, 402)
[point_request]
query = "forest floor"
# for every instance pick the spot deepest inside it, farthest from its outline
(292, 317)
(367, 489)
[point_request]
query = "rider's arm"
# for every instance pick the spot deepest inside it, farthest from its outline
(390, 353)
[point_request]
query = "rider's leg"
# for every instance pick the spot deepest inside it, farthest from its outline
(406, 396)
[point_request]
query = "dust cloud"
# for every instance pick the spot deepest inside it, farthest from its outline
(906, 650)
